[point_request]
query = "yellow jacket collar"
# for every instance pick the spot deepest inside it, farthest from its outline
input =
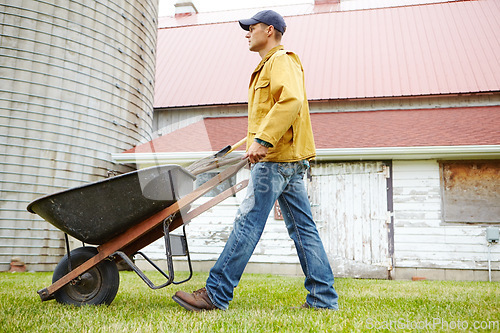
(268, 55)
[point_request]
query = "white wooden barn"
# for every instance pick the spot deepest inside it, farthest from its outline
(405, 105)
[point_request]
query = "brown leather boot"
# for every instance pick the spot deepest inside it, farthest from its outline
(197, 301)
(303, 306)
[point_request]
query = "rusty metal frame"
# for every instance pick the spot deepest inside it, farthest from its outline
(146, 232)
(187, 218)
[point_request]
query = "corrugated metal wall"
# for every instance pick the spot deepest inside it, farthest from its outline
(76, 84)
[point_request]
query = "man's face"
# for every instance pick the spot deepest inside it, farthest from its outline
(257, 37)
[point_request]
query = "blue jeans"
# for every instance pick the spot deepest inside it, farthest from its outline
(270, 181)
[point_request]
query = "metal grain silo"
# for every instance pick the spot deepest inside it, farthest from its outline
(76, 85)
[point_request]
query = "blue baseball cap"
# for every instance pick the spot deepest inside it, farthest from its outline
(269, 17)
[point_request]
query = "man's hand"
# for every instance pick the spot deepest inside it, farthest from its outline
(256, 152)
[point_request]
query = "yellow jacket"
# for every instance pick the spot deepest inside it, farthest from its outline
(278, 111)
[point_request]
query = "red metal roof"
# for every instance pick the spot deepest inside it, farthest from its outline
(387, 128)
(445, 48)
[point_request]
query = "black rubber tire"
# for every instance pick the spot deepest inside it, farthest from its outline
(98, 285)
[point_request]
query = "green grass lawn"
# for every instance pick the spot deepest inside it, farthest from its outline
(262, 303)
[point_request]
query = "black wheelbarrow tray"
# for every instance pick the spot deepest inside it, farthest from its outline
(122, 215)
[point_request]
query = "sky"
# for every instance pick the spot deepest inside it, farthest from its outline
(166, 7)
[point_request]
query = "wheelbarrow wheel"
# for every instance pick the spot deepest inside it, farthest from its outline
(98, 285)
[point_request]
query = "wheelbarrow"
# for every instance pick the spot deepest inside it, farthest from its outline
(122, 215)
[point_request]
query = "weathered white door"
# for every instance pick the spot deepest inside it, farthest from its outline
(349, 204)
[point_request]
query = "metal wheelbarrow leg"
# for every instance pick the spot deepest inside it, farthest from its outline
(171, 224)
(141, 234)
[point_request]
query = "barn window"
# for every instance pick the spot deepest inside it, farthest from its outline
(205, 177)
(471, 191)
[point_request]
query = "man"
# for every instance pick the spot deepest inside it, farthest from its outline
(280, 143)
